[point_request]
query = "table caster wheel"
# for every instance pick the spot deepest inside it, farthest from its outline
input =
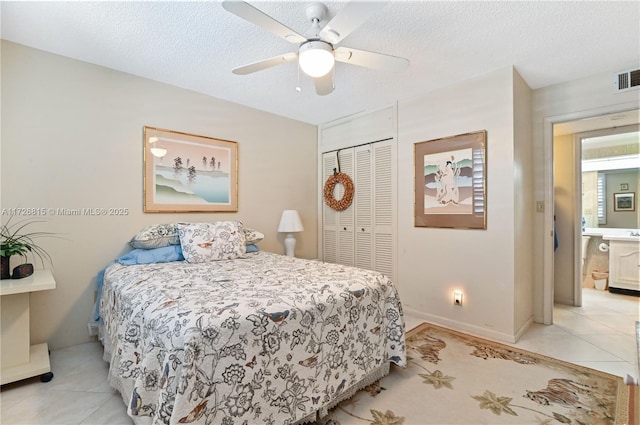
(46, 377)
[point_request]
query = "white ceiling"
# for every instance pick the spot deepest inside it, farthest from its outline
(195, 45)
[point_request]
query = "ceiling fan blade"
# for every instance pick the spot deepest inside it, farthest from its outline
(324, 85)
(264, 64)
(249, 13)
(371, 59)
(349, 18)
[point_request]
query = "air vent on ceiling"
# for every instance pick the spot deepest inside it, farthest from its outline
(627, 80)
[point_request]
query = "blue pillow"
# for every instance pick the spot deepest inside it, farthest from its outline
(252, 248)
(165, 254)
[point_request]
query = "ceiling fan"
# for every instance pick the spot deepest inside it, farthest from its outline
(316, 55)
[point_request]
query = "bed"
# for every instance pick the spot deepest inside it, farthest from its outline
(256, 339)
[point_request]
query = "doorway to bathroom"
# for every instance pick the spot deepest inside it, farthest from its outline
(594, 159)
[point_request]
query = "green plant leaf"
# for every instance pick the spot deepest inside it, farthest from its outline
(14, 240)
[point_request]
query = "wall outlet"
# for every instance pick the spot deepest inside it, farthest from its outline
(457, 298)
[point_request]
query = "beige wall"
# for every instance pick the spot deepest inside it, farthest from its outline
(433, 262)
(590, 198)
(622, 219)
(72, 138)
(523, 205)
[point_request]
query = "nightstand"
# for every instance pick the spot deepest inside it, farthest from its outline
(20, 359)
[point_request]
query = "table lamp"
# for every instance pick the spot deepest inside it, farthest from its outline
(290, 223)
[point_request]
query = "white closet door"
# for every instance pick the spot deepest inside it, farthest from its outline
(346, 218)
(362, 235)
(363, 203)
(337, 232)
(384, 182)
(329, 216)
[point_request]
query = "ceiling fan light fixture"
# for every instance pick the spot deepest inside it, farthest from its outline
(316, 58)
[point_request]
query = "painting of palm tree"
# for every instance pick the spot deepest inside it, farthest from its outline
(194, 173)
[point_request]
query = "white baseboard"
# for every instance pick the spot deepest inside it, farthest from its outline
(471, 329)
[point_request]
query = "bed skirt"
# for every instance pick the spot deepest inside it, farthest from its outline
(374, 376)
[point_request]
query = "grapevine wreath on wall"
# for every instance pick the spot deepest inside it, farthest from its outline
(329, 186)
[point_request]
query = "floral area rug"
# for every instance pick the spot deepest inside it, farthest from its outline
(455, 378)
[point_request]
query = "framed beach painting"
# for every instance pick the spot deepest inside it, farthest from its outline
(450, 182)
(189, 173)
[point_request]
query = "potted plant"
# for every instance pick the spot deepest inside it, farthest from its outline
(15, 240)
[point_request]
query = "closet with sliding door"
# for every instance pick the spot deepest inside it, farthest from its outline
(364, 234)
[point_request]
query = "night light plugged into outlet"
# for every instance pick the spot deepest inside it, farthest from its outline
(457, 298)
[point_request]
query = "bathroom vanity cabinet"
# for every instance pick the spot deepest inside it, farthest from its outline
(624, 262)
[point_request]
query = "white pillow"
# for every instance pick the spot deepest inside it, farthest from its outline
(205, 242)
(252, 236)
(156, 236)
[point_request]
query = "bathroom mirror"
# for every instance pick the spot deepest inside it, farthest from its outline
(610, 168)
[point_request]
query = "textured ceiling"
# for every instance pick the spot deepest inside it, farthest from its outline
(195, 45)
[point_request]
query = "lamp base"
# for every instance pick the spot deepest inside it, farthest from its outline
(290, 244)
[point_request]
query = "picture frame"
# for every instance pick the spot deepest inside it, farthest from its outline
(189, 173)
(624, 186)
(450, 182)
(624, 201)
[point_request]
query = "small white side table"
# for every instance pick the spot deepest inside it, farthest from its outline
(20, 359)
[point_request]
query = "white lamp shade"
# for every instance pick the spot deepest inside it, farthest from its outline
(290, 222)
(316, 58)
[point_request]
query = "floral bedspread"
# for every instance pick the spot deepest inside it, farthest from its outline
(266, 339)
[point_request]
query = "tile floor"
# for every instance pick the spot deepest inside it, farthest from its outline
(600, 335)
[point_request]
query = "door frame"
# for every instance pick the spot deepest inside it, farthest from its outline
(577, 219)
(548, 247)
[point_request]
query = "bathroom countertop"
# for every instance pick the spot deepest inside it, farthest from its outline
(594, 231)
(612, 234)
(625, 238)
